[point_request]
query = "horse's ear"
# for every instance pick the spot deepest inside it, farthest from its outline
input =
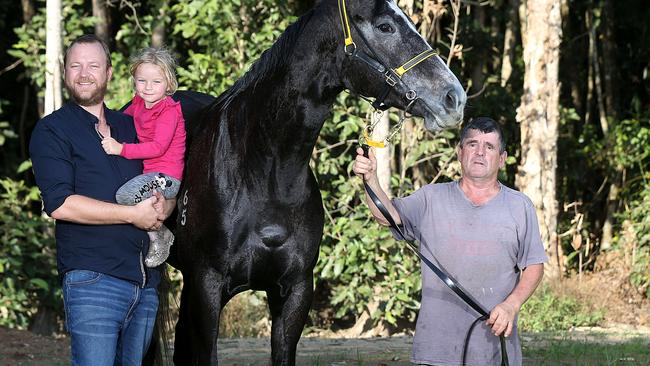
(124, 107)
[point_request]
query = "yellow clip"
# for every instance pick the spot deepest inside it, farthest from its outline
(400, 71)
(373, 143)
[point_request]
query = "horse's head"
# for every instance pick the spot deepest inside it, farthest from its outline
(388, 59)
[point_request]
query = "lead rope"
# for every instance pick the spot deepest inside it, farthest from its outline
(440, 273)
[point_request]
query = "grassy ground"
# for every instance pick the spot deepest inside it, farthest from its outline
(568, 352)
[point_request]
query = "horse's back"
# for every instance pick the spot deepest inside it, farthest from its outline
(193, 105)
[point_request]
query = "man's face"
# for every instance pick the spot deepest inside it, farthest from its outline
(87, 73)
(479, 155)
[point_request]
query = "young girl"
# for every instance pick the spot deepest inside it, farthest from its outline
(161, 134)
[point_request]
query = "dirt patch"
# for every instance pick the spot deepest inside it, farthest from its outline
(20, 347)
(609, 290)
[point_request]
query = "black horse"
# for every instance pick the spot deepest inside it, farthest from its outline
(250, 214)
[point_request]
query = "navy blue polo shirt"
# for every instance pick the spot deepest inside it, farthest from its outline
(68, 158)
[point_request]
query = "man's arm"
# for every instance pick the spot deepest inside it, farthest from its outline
(85, 210)
(366, 169)
(502, 317)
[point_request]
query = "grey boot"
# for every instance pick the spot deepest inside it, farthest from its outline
(161, 241)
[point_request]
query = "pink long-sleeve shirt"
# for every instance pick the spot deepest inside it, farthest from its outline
(161, 136)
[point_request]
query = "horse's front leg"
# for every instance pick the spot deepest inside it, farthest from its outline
(204, 303)
(289, 314)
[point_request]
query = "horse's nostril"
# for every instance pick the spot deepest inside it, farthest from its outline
(454, 99)
(451, 100)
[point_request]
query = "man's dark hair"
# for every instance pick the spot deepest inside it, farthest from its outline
(485, 125)
(89, 38)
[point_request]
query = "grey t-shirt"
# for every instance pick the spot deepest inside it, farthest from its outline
(481, 247)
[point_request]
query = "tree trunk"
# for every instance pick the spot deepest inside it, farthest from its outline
(611, 69)
(571, 70)
(28, 13)
(608, 105)
(28, 10)
(44, 321)
(158, 36)
(538, 115)
(53, 57)
(590, 70)
(383, 155)
(479, 59)
(595, 64)
(103, 25)
(509, 42)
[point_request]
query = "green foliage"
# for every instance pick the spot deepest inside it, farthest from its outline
(214, 41)
(134, 34)
(222, 37)
(5, 128)
(27, 260)
(547, 311)
(245, 315)
(30, 47)
(630, 152)
(639, 215)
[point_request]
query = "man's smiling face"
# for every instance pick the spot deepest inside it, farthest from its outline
(87, 73)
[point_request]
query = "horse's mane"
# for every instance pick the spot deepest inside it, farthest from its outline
(270, 62)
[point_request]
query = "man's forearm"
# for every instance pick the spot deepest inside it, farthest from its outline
(531, 276)
(383, 197)
(84, 210)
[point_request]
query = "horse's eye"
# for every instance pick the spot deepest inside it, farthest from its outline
(386, 28)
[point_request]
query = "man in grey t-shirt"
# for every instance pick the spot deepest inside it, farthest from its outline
(484, 235)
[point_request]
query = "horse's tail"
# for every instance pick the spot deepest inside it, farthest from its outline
(159, 353)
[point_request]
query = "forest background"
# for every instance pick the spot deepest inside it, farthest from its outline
(568, 80)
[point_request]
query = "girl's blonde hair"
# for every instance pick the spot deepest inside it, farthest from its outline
(161, 57)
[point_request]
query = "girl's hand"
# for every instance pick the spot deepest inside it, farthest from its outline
(111, 146)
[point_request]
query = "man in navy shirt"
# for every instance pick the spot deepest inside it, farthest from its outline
(109, 295)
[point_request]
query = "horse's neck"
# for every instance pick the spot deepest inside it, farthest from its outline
(285, 109)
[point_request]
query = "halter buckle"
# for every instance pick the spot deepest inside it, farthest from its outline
(390, 78)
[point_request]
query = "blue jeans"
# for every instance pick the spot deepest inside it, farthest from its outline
(110, 320)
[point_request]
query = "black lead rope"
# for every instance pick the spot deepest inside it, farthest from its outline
(440, 273)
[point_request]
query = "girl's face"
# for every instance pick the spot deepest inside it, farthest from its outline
(150, 84)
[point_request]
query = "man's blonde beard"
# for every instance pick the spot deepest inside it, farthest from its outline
(96, 97)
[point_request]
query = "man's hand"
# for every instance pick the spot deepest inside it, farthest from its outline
(365, 168)
(164, 206)
(502, 319)
(146, 214)
(111, 146)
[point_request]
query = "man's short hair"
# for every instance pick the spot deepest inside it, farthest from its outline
(485, 125)
(89, 38)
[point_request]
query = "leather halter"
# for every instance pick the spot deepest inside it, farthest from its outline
(392, 76)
